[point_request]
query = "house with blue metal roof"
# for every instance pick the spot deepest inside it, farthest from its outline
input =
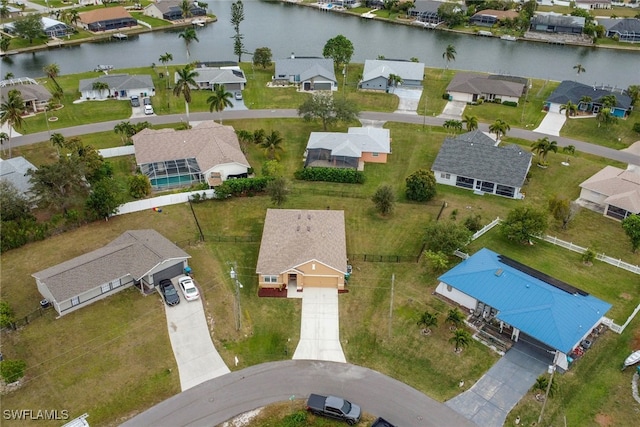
(526, 302)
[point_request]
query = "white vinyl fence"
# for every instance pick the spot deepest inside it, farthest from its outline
(160, 201)
(125, 150)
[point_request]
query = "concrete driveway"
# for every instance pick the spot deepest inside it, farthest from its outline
(198, 360)
(453, 110)
(488, 402)
(320, 326)
(551, 124)
(409, 99)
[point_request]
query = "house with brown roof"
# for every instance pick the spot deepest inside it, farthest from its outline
(302, 248)
(35, 96)
(208, 152)
(471, 87)
(105, 19)
(140, 258)
(613, 191)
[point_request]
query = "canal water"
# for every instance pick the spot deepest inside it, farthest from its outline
(289, 28)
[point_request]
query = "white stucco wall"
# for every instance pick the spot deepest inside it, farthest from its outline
(227, 169)
(457, 296)
(592, 196)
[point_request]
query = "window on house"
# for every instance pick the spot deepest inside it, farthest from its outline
(116, 283)
(105, 288)
(375, 154)
(75, 301)
(487, 187)
(270, 279)
(504, 190)
(464, 182)
(445, 175)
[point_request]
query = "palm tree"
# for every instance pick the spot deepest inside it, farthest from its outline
(244, 137)
(427, 320)
(164, 59)
(586, 101)
(453, 124)
(605, 117)
(125, 130)
(579, 68)
(219, 100)
(3, 138)
(185, 7)
(449, 54)
(186, 80)
(11, 113)
(58, 141)
(461, 338)
(542, 147)
(455, 317)
(73, 16)
(258, 136)
(100, 86)
(189, 35)
(471, 122)
(569, 149)
(569, 108)
(394, 80)
(609, 101)
(500, 128)
(52, 71)
(272, 145)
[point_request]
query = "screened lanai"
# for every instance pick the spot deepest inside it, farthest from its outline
(172, 173)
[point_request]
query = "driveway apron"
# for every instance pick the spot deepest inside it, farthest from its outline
(198, 360)
(453, 110)
(491, 399)
(409, 100)
(319, 327)
(551, 124)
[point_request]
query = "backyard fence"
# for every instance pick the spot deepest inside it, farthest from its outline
(485, 228)
(383, 258)
(25, 320)
(156, 202)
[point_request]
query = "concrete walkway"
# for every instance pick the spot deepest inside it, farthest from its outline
(198, 360)
(551, 124)
(488, 402)
(320, 326)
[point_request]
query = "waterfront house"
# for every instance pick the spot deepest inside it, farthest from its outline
(593, 4)
(471, 87)
(375, 75)
(524, 303)
(106, 19)
(425, 12)
(308, 73)
(575, 92)
(622, 29)
(51, 27)
(208, 152)
(171, 10)
(476, 162)
(302, 248)
(348, 150)
(209, 78)
(119, 86)
(35, 96)
(140, 258)
(490, 17)
(550, 22)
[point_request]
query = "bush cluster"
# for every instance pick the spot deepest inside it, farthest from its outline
(510, 103)
(241, 187)
(348, 176)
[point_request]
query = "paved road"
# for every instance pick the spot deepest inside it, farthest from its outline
(225, 397)
(584, 147)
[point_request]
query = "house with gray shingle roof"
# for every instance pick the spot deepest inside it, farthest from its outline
(375, 75)
(302, 248)
(34, 95)
(307, 73)
(121, 86)
(348, 150)
(14, 170)
(624, 29)
(138, 258)
(569, 90)
(209, 78)
(551, 22)
(471, 87)
(208, 152)
(171, 10)
(474, 161)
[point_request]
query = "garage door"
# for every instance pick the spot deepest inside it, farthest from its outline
(168, 273)
(322, 86)
(321, 282)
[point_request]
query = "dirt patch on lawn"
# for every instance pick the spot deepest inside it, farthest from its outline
(626, 296)
(604, 420)
(635, 342)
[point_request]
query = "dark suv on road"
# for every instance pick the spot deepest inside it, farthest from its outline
(169, 292)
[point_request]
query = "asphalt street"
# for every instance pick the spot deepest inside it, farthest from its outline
(225, 397)
(581, 146)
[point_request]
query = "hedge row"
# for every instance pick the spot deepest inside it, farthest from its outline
(242, 187)
(349, 176)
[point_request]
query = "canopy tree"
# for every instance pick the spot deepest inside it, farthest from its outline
(524, 223)
(631, 226)
(29, 27)
(384, 199)
(340, 49)
(262, 57)
(446, 236)
(563, 209)
(421, 185)
(324, 107)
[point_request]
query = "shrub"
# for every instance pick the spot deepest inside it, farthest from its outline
(473, 223)
(6, 314)
(588, 256)
(347, 176)
(421, 185)
(12, 370)
(510, 103)
(636, 127)
(445, 96)
(242, 187)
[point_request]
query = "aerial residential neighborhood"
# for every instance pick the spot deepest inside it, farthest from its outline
(315, 213)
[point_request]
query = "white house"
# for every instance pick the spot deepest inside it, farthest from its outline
(119, 86)
(375, 75)
(471, 87)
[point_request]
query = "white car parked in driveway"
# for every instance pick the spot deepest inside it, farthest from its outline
(189, 288)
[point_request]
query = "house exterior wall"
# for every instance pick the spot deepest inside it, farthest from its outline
(455, 295)
(312, 273)
(592, 196)
(226, 169)
(447, 178)
(371, 158)
(460, 96)
(153, 11)
(141, 92)
(163, 266)
(379, 83)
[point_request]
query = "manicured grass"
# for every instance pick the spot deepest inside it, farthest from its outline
(616, 136)
(283, 414)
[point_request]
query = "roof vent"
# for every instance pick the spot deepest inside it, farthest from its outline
(499, 272)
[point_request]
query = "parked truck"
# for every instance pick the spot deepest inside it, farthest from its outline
(334, 407)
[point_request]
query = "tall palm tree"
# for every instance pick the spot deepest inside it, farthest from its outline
(125, 130)
(52, 71)
(101, 86)
(427, 320)
(569, 109)
(579, 68)
(471, 122)
(461, 338)
(189, 35)
(609, 101)
(220, 100)
(186, 80)
(272, 144)
(11, 111)
(500, 128)
(394, 80)
(542, 147)
(449, 54)
(58, 141)
(167, 57)
(185, 7)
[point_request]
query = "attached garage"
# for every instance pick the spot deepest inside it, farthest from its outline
(169, 272)
(322, 86)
